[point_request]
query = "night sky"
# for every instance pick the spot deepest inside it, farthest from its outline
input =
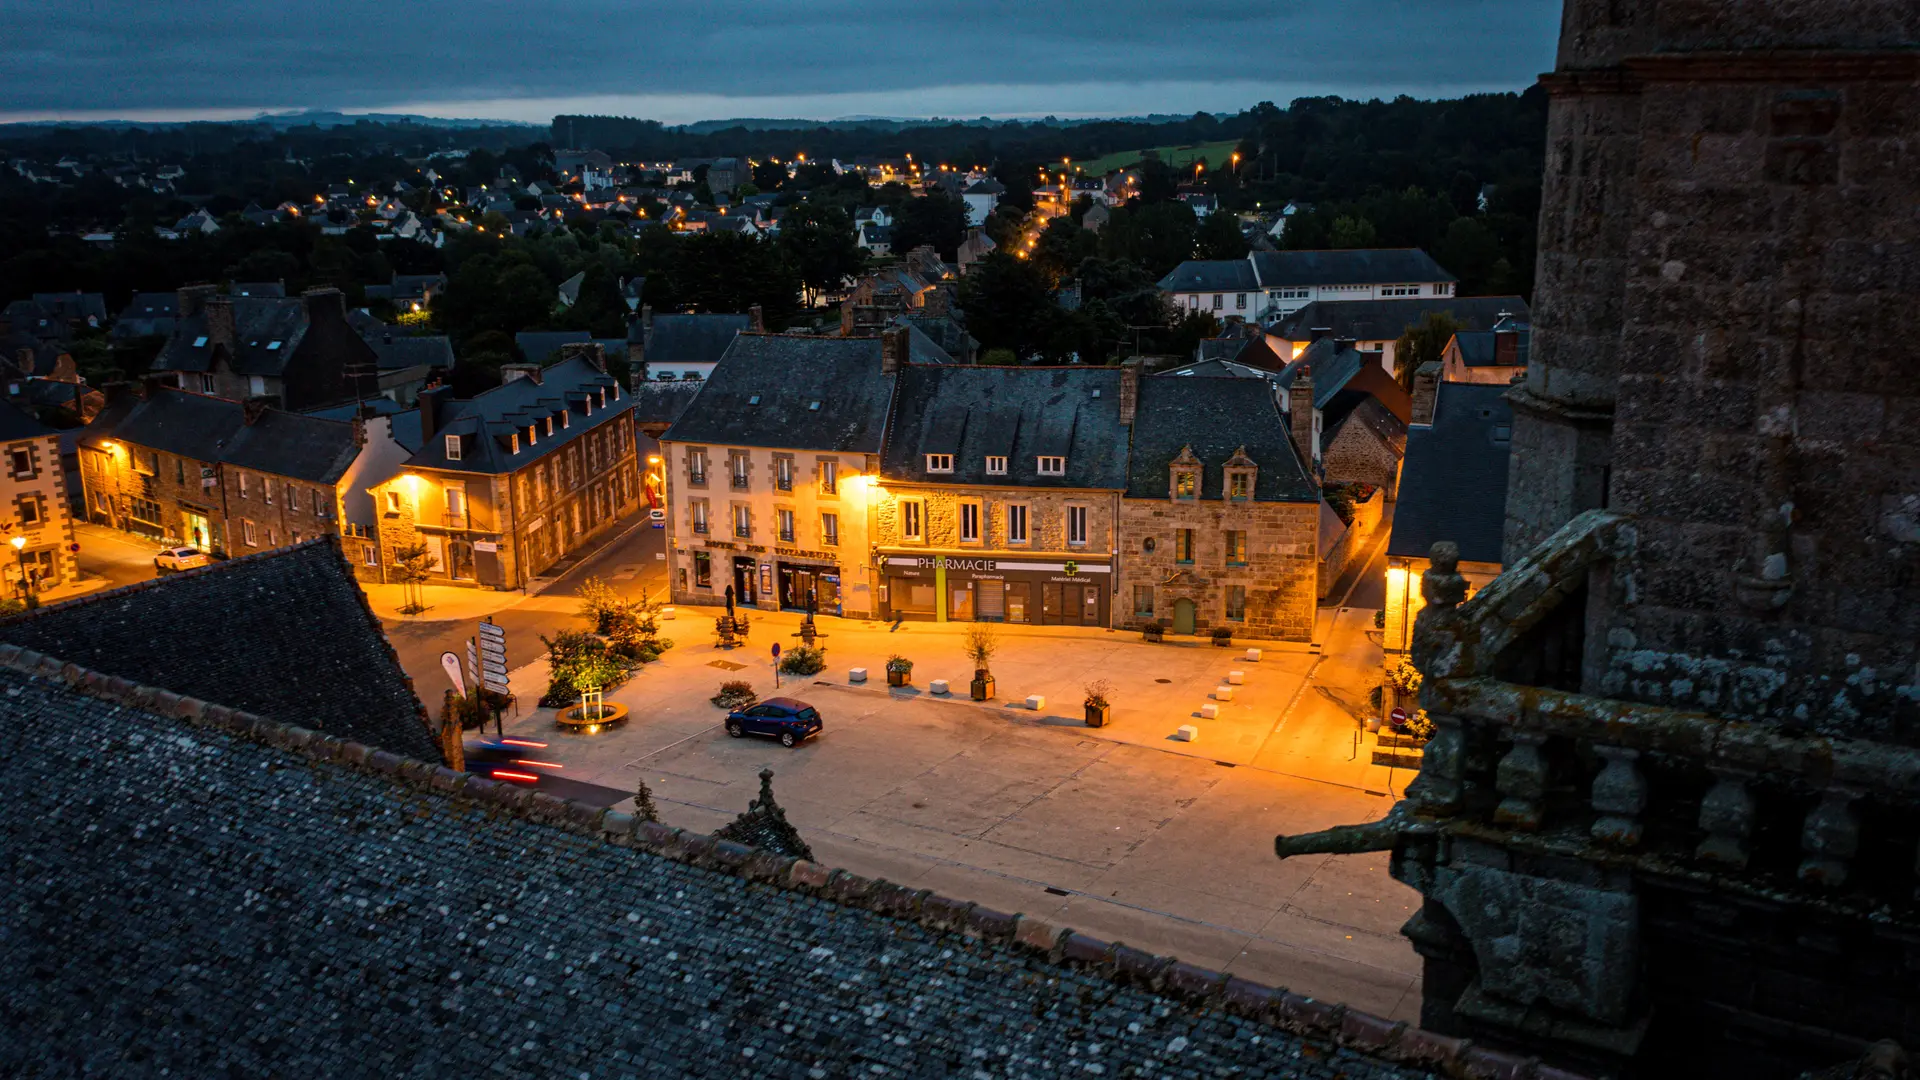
(171, 59)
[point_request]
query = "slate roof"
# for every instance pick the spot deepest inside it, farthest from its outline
(293, 914)
(266, 331)
(1370, 414)
(1211, 275)
(1385, 320)
(147, 314)
(689, 339)
(271, 289)
(1221, 348)
(1453, 485)
(1215, 416)
(570, 288)
(1477, 347)
(286, 634)
(19, 424)
(77, 306)
(207, 428)
(540, 345)
(1016, 413)
(789, 374)
(662, 402)
(398, 350)
(487, 419)
(1353, 266)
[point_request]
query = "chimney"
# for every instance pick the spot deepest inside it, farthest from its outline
(193, 298)
(846, 317)
(219, 311)
(149, 383)
(893, 349)
(1342, 344)
(510, 372)
(1129, 390)
(433, 406)
(756, 320)
(1506, 342)
(252, 409)
(1426, 392)
(592, 351)
(1316, 333)
(1300, 416)
(325, 302)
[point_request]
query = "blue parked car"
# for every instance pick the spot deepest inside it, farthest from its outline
(788, 719)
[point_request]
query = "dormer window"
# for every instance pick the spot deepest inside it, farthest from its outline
(563, 418)
(1240, 472)
(1049, 465)
(513, 443)
(996, 465)
(453, 448)
(1184, 484)
(549, 425)
(1237, 485)
(939, 463)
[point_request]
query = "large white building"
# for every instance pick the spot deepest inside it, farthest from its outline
(1269, 284)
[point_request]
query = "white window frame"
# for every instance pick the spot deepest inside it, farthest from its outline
(913, 520)
(1076, 525)
(243, 483)
(830, 530)
(784, 524)
(1058, 466)
(996, 465)
(697, 467)
(1018, 522)
(456, 497)
(247, 533)
(452, 443)
(699, 516)
(829, 477)
(783, 474)
(967, 516)
(939, 463)
(20, 454)
(743, 522)
(393, 501)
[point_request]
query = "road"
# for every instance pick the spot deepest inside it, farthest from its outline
(121, 558)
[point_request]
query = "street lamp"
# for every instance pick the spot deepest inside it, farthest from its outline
(26, 583)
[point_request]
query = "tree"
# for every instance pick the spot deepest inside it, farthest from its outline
(818, 241)
(1009, 304)
(734, 272)
(413, 564)
(938, 219)
(1219, 237)
(599, 309)
(1159, 236)
(1158, 184)
(1422, 342)
(643, 808)
(1351, 232)
(769, 175)
(1062, 247)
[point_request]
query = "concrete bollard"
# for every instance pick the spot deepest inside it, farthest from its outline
(1235, 678)
(1253, 655)
(1223, 693)
(937, 686)
(1209, 711)
(858, 674)
(666, 614)
(1187, 733)
(1036, 702)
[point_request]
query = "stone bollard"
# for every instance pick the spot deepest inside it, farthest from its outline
(937, 686)
(1187, 733)
(1223, 693)
(1036, 702)
(1253, 656)
(1236, 677)
(1209, 711)
(858, 674)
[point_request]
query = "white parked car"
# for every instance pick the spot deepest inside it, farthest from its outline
(180, 558)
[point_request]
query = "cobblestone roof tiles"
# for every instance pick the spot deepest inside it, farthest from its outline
(286, 634)
(240, 898)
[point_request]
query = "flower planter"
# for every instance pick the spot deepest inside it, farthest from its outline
(899, 678)
(981, 688)
(1098, 715)
(1154, 633)
(1223, 638)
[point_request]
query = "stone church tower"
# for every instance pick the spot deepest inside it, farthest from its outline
(1670, 822)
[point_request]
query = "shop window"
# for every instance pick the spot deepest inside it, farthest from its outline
(1236, 603)
(1017, 523)
(1143, 601)
(969, 523)
(1236, 547)
(702, 570)
(913, 524)
(1183, 545)
(1076, 524)
(830, 529)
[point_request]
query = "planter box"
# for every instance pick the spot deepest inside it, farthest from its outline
(1153, 633)
(1225, 641)
(1399, 759)
(1099, 715)
(899, 678)
(981, 688)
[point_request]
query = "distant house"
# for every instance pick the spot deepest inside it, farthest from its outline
(1453, 487)
(1278, 283)
(725, 174)
(570, 289)
(975, 247)
(147, 315)
(300, 350)
(258, 288)
(77, 308)
(406, 361)
(876, 240)
(197, 222)
(981, 197)
(1096, 217)
(682, 348)
(1497, 356)
(631, 291)
(1375, 325)
(33, 494)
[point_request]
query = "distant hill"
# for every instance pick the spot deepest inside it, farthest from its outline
(320, 118)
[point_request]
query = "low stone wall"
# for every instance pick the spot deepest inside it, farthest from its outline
(1353, 545)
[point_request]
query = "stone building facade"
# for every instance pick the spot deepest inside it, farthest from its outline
(33, 504)
(513, 480)
(1666, 823)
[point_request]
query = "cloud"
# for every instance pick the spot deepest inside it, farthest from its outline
(120, 56)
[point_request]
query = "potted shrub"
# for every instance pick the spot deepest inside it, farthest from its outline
(899, 671)
(982, 643)
(1223, 635)
(1099, 711)
(1154, 631)
(803, 661)
(735, 694)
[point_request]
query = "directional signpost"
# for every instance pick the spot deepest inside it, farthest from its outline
(493, 657)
